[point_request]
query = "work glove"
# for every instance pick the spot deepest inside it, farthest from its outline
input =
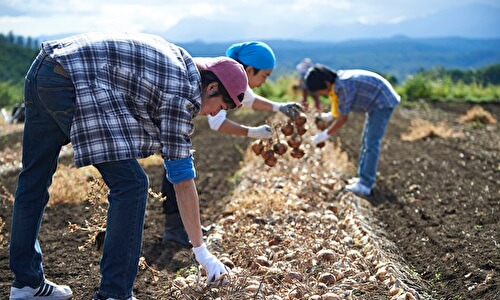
(326, 116)
(320, 137)
(260, 132)
(215, 269)
(290, 109)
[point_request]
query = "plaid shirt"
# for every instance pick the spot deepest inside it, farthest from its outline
(363, 91)
(135, 94)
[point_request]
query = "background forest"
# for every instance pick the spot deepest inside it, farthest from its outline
(447, 69)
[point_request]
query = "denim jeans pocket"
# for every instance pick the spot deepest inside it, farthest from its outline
(59, 101)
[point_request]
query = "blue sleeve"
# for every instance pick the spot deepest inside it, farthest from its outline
(180, 170)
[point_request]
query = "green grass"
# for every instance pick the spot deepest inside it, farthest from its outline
(444, 89)
(413, 91)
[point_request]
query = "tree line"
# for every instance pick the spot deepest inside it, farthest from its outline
(19, 40)
(16, 53)
(481, 84)
(489, 75)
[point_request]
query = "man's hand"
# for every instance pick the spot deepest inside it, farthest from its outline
(320, 137)
(290, 109)
(260, 132)
(215, 269)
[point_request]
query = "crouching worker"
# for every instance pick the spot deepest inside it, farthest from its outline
(302, 68)
(358, 91)
(258, 60)
(116, 98)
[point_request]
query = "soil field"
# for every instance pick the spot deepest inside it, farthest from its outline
(436, 199)
(439, 199)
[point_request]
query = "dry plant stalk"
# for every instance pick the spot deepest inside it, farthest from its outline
(478, 114)
(2, 224)
(421, 129)
(152, 160)
(95, 226)
(9, 128)
(289, 232)
(70, 185)
(156, 196)
(5, 196)
(10, 159)
(143, 265)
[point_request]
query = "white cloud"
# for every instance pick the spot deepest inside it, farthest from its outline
(263, 18)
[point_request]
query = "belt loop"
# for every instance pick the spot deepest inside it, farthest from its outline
(40, 58)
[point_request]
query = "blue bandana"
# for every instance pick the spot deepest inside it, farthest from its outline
(255, 54)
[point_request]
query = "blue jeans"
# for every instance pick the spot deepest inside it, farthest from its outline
(170, 203)
(373, 133)
(127, 198)
(50, 104)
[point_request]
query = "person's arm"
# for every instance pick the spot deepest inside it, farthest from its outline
(219, 122)
(182, 173)
(189, 208)
(337, 124)
(332, 129)
(289, 109)
(261, 103)
(231, 127)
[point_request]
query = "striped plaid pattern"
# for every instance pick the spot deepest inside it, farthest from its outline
(363, 91)
(136, 94)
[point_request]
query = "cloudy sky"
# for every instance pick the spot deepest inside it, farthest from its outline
(266, 18)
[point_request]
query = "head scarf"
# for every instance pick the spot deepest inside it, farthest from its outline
(255, 54)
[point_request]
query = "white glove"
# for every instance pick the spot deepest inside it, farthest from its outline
(260, 132)
(215, 269)
(327, 116)
(320, 137)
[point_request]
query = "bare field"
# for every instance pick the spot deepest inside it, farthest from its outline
(430, 228)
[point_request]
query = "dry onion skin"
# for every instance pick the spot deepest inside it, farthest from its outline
(291, 232)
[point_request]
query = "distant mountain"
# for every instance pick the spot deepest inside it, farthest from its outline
(399, 56)
(470, 21)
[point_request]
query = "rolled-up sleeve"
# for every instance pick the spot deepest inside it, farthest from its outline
(180, 170)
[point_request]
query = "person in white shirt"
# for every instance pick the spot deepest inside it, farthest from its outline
(258, 60)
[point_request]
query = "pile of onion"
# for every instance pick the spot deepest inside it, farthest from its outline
(293, 130)
(267, 150)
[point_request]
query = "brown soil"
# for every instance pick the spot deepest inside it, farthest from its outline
(437, 199)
